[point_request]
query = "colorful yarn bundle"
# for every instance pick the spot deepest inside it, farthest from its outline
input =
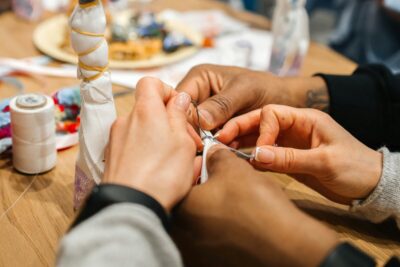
(5, 125)
(67, 107)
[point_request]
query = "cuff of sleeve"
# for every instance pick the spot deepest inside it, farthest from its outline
(355, 103)
(383, 201)
(105, 195)
(345, 255)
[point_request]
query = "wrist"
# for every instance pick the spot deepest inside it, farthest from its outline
(373, 173)
(105, 195)
(159, 193)
(311, 241)
(296, 240)
(307, 92)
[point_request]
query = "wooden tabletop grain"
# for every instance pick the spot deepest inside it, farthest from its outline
(35, 211)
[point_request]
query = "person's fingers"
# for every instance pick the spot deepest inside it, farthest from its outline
(176, 110)
(151, 96)
(200, 81)
(222, 162)
(204, 80)
(242, 125)
(195, 136)
(273, 120)
(247, 141)
(192, 115)
(290, 160)
(197, 169)
(149, 87)
(219, 108)
(276, 119)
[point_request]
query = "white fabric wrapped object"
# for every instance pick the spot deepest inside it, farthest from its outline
(208, 142)
(88, 24)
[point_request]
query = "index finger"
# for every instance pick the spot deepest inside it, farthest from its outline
(276, 119)
(240, 126)
(197, 83)
(151, 97)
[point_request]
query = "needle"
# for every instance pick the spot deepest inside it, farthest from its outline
(238, 153)
(198, 118)
(206, 135)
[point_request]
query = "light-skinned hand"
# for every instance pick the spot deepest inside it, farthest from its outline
(310, 146)
(153, 149)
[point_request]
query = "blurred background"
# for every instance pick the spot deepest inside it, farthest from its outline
(366, 31)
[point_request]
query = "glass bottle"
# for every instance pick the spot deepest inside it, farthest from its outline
(291, 37)
(28, 9)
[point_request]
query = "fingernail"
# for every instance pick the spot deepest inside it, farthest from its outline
(183, 100)
(206, 116)
(264, 155)
(217, 134)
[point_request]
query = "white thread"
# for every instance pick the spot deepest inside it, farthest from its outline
(33, 138)
(208, 143)
(19, 197)
(209, 140)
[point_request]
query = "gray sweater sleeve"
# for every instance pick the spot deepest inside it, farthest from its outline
(120, 235)
(384, 201)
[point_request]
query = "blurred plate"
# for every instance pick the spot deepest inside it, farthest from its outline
(49, 36)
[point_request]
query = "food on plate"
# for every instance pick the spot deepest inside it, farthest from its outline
(137, 36)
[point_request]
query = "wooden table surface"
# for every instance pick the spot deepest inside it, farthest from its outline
(35, 211)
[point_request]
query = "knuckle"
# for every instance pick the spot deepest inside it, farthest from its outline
(268, 109)
(146, 82)
(326, 117)
(320, 115)
(326, 159)
(142, 111)
(265, 110)
(183, 139)
(290, 159)
(201, 67)
(118, 124)
(245, 77)
(223, 104)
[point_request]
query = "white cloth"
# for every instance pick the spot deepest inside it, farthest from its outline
(208, 141)
(97, 108)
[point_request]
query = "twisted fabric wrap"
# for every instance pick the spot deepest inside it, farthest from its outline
(88, 24)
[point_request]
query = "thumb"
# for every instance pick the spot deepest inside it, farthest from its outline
(219, 108)
(176, 109)
(288, 160)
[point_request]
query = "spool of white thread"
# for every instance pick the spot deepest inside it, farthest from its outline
(33, 133)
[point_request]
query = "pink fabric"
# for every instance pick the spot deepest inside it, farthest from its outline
(83, 186)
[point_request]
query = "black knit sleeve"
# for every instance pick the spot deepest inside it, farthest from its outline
(367, 104)
(105, 195)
